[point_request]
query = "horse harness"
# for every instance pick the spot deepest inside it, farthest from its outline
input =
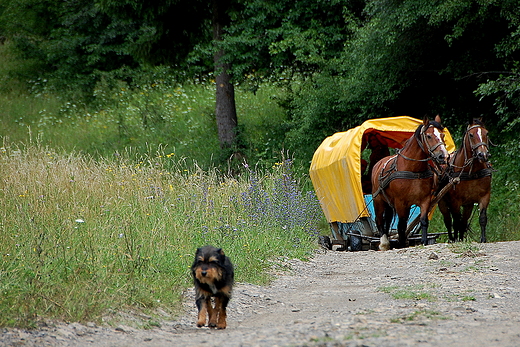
(468, 176)
(392, 173)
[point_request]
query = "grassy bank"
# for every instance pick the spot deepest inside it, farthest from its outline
(159, 112)
(83, 237)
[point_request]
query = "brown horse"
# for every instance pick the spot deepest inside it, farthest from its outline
(407, 179)
(471, 164)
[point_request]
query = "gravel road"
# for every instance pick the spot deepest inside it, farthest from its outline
(422, 296)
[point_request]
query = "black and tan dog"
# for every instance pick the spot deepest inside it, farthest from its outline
(213, 276)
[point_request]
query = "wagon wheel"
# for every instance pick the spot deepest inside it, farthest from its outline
(356, 243)
(324, 241)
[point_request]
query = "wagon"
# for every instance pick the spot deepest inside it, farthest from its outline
(340, 173)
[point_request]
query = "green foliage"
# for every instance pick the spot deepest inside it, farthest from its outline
(262, 123)
(413, 58)
(506, 92)
(340, 63)
(76, 42)
(300, 44)
(299, 36)
(505, 198)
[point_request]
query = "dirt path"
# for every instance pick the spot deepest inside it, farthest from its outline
(423, 296)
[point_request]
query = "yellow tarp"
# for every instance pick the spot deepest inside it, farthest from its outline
(336, 165)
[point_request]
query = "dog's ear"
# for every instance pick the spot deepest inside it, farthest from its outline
(220, 251)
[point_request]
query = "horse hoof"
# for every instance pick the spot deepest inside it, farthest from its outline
(384, 243)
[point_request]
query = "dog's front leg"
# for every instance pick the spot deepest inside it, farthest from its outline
(202, 306)
(213, 313)
(220, 308)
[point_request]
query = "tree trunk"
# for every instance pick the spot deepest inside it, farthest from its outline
(225, 110)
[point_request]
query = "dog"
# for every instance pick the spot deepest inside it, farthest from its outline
(213, 276)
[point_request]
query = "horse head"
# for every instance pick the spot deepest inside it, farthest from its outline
(477, 139)
(432, 138)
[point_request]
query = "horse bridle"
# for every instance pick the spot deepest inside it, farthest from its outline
(423, 139)
(469, 161)
(477, 145)
(421, 143)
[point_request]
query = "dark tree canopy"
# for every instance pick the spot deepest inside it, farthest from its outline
(341, 62)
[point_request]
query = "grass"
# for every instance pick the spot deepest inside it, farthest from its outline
(468, 298)
(415, 292)
(158, 112)
(465, 247)
(82, 237)
(419, 315)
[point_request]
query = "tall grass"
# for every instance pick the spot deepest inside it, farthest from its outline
(82, 237)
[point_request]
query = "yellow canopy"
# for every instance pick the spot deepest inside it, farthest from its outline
(336, 165)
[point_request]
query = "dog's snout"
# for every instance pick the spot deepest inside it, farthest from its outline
(204, 273)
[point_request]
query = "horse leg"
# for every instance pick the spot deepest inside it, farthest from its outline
(380, 209)
(401, 230)
(446, 215)
(466, 214)
(483, 204)
(401, 226)
(457, 228)
(388, 216)
(482, 219)
(424, 224)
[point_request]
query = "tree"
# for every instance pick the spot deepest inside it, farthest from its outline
(80, 41)
(405, 57)
(340, 62)
(296, 44)
(225, 109)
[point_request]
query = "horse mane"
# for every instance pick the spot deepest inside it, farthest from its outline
(477, 121)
